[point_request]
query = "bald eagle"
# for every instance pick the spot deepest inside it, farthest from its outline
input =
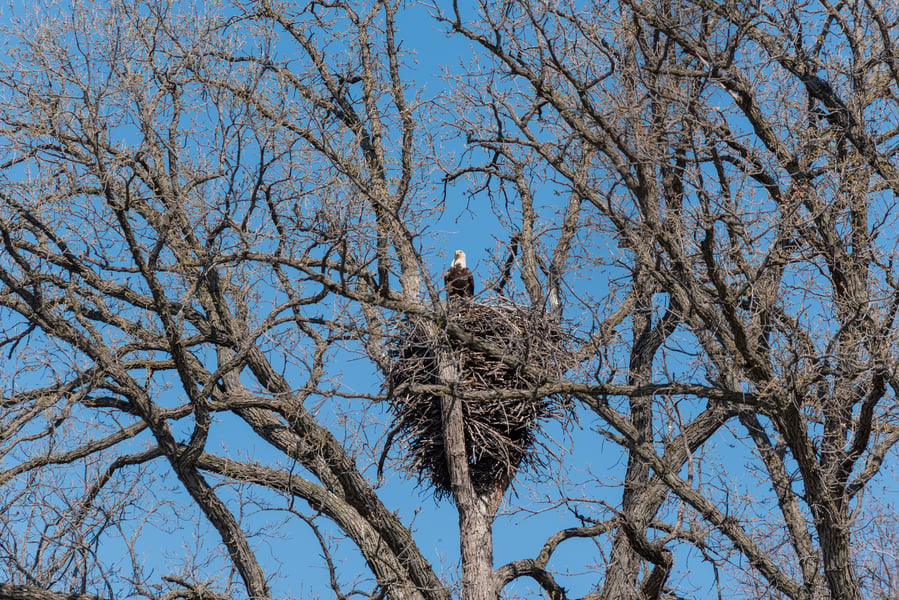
(458, 280)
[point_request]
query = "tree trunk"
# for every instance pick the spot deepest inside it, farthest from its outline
(476, 511)
(476, 539)
(624, 571)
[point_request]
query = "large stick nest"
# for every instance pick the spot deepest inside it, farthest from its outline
(520, 350)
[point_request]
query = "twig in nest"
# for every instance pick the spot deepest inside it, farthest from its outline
(500, 433)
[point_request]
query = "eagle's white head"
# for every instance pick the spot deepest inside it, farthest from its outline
(459, 259)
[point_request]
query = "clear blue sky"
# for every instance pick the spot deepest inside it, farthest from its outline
(594, 467)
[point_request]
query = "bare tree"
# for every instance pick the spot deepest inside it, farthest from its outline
(165, 179)
(741, 157)
(205, 210)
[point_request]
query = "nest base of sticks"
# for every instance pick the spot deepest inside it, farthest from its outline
(501, 353)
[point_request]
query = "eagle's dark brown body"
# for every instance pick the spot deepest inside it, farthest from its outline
(459, 280)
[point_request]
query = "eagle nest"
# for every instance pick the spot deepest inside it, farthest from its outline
(517, 350)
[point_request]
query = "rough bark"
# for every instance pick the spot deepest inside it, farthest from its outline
(476, 510)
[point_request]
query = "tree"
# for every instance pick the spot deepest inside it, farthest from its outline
(205, 210)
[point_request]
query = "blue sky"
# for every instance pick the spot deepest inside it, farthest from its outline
(592, 466)
(595, 466)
